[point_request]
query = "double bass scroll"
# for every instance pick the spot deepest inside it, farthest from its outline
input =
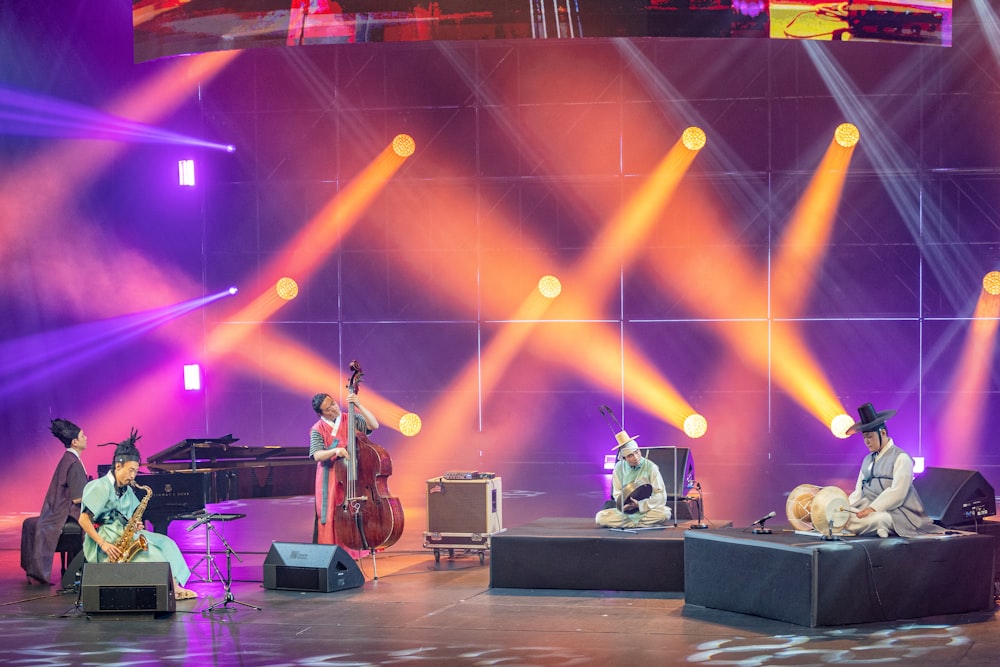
(365, 516)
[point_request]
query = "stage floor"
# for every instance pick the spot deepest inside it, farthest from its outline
(419, 611)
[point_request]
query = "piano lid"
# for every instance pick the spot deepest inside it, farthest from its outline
(209, 452)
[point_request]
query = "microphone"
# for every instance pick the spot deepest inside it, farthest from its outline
(760, 521)
(205, 519)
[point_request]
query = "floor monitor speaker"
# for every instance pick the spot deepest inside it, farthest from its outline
(321, 568)
(955, 497)
(676, 465)
(127, 587)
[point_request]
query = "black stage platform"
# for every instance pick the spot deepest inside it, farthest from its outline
(571, 553)
(804, 580)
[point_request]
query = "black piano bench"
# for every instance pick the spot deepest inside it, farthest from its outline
(69, 545)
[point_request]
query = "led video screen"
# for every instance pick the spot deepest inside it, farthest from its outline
(173, 27)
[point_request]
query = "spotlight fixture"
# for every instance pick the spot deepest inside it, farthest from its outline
(549, 286)
(185, 171)
(233, 289)
(230, 148)
(840, 424)
(403, 145)
(694, 138)
(287, 288)
(192, 377)
(991, 283)
(409, 424)
(847, 135)
(695, 426)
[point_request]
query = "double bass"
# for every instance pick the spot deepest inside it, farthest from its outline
(365, 516)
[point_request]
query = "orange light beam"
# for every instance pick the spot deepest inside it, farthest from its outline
(596, 272)
(793, 366)
(804, 244)
(962, 415)
(632, 223)
(295, 367)
(307, 249)
(627, 228)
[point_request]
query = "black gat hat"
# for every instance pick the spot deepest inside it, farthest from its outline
(870, 420)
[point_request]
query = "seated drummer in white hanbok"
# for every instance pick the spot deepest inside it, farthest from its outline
(637, 488)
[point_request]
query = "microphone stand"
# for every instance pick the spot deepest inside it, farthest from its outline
(701, 524)
(228, 581)
(759, 523)
(676, 491)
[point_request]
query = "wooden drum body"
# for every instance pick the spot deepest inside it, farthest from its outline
(812, 508)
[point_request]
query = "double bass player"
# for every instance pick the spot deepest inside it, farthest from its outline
(327, 443)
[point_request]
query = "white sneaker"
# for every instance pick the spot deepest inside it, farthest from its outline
(883, 533)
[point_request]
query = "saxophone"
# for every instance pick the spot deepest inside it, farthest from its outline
(131, 542)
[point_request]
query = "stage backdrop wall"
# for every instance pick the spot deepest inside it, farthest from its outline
(527, 158)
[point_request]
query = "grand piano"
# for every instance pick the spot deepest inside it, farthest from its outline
(197, 471)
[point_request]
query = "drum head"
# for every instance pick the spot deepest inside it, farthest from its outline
(798, 505)
(635, 491)
(828, 509)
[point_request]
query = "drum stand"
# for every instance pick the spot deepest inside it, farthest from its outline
(228, 581)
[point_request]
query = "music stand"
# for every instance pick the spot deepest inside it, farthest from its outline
(201, 518)
(228, 580)
(208, 558)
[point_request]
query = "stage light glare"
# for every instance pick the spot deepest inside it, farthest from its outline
(695, 426)
(991, 283)
(233, 289)
(192, 377)
(694, 138)
(403, 145)
(918, 465)
(550, 287)
(840, 424)
(230, 148)
(409, 424)
(185, 171)
(287, 288)
(847, 135)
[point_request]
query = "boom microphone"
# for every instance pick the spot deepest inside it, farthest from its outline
(760, 521)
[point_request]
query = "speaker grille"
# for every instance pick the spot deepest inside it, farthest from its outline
(297, 578)
(139, 598)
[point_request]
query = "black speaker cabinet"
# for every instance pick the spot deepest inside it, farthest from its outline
(127, 587)
(321, 568)
(666, 458)
(954, 497)
(465, 505)
(677, 469)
